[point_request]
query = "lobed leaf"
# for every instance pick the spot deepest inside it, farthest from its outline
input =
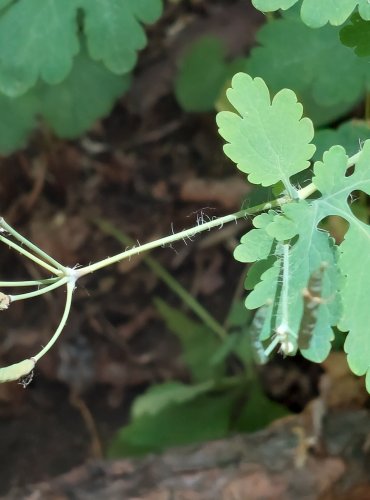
(290, 250)
(113, 30)
(317, 13)
(69, 108)
(313, 248)
(45, 44)
(328, 77)
(350, 135)
(47, 38)
(268, 140)
(336, 187)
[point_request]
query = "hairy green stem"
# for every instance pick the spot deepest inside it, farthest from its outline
(169, 280)
(181, 235)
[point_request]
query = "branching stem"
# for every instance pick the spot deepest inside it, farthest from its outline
(6, 227)
(29, 255)
(40, 291)
(68, 277)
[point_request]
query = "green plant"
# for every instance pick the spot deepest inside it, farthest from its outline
(303, 286)
(174, 413)
(271, 141)
(207, 349)
(67, 64)
(327, 76)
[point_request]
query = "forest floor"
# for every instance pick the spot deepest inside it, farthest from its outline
(147, 168)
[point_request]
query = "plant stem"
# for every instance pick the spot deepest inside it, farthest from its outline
(40, 291)
(29, 255)
(170, 281)
(182, 235)
(28, 283)
(58, 331)
(4, 225)
(275, 342)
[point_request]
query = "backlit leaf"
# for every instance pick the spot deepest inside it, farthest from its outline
(269, 140)
(316, 13)
(335, 186)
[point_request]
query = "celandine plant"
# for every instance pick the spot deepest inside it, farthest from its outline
(301, 282)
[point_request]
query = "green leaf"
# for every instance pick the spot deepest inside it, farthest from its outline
(335, 187)
(18, 118)
(317, 13)
(259, 411)
(47, 38)
(198, 342)
(158, 397)
(200, 84)
(70, 108)
(5, 3)
(202, 74)
(357, 35)
(45, 44)
(268, 140)
(254, 245)
(256, 270)
(350, 135)
(328, 77)
(87, 94)
(202, 419)
(113, 30)
(272, 5)
(313, 249)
